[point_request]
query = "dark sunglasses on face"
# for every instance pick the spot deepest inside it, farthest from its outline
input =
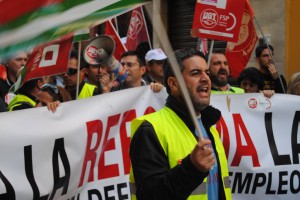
(72, 71)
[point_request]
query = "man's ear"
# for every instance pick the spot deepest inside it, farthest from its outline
(40, 83)
(143, 70)
(173, 84)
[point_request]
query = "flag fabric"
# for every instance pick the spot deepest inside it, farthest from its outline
(202, 45)
(111, 31)
(81, 35)
(238, 54)
(46, 60)
(218, 19)
(137, 31)
(35, 22)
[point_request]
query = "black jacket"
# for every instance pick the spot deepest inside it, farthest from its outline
(153, 177)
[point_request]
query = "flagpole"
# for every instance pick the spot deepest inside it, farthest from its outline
(272, 57)
(117, 27)
(149, 41)
(212, 43)
(164, 40)
(78, 69)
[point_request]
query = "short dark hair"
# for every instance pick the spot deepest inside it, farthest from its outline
(28, 86)
(259, 49)
(180, 56)
(253, 75)
(218, 51)
(140, 58)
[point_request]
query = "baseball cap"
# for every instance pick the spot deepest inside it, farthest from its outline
(155, 54)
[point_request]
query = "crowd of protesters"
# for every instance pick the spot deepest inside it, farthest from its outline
(142, 68)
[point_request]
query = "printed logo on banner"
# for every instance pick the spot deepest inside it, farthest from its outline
(252, 103)
(261, 103)
(265, 103)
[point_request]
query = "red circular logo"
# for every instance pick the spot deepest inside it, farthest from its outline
(252, 103)
(209, 18)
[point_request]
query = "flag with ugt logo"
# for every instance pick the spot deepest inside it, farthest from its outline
(137, 31)
(46, 60)
(238, 54)
(120, 48)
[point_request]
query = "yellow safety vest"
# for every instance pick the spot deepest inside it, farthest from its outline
(18, 100)
(232, 90)
(169, 129)
(86, 91)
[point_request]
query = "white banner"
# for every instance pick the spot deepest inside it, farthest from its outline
(81, 151)
(262, 138)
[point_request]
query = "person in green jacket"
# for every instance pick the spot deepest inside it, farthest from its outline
(168, 159)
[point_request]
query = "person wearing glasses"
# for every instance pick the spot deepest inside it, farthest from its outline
(134, 64)
(71, 81)
(135, 67)
(155, 60)
(51, 96)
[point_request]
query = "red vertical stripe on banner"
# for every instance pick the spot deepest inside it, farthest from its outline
(238, 54)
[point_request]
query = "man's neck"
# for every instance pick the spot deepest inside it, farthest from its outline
(11, 77)
(221, 88)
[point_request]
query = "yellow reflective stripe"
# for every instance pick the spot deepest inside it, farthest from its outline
(201, 189)
(226, 182)
(132, 188)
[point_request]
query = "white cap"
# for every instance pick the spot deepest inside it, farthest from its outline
(155, 54)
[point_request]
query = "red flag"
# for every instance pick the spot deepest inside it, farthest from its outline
(218, 19)
(238, 54)
(137, 31)
(111, 31)
(45, 60)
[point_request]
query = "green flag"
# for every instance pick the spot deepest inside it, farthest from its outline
(44, 22)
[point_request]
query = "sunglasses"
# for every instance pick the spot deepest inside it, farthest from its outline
(72, 71)
(50, 87)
